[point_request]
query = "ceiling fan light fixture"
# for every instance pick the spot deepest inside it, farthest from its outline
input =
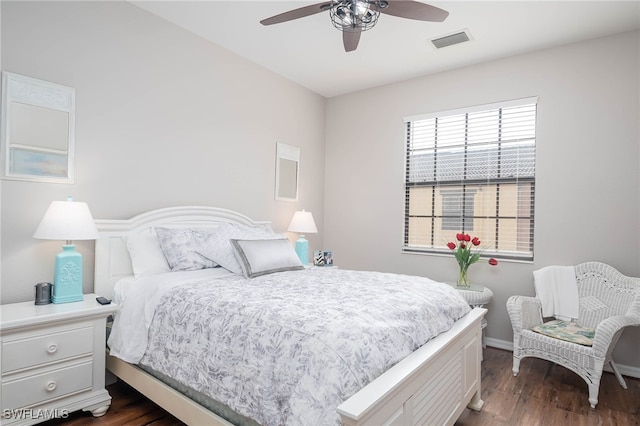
(353, 15)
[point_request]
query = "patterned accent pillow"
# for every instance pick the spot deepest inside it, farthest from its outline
(262, 257)
(567, 331)
(180, 246)
(217, 247)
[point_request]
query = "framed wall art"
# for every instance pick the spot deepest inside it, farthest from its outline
(287, 172)
(38, 122)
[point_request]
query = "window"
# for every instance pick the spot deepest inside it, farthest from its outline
(455, 206)
(472, 170)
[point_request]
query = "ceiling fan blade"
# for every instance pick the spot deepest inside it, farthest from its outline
(350, 40)
(414, 10)
(297, 13)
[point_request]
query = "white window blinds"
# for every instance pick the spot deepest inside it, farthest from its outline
(472, 170)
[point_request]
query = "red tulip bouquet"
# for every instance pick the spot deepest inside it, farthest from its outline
(465, 257)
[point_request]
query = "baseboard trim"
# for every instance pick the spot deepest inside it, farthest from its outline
(500, 344)
(625, 370)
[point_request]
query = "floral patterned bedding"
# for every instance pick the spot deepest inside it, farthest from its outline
(288, 348)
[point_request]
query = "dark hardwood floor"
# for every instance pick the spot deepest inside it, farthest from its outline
(542, 394)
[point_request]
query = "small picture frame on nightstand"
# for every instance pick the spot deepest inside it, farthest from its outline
(322, 258)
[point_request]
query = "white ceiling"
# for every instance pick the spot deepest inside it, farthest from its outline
(309, 50)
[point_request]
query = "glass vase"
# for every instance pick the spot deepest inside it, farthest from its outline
(463, 281)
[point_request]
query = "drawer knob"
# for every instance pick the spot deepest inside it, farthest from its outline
(52, 348)
(51, 386)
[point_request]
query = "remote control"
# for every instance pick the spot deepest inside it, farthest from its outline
(103, 300)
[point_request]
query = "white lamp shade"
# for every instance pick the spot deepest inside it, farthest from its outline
(302, 222)
(67, 220)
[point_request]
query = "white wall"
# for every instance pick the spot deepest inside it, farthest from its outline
(163, 118)
(587, 167)
(0, 184)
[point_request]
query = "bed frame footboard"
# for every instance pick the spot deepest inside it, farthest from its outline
(432, 386)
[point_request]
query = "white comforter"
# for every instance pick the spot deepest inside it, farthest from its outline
(138, 299)
(285, 348)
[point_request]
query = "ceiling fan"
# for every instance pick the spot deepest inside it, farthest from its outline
(353, 17)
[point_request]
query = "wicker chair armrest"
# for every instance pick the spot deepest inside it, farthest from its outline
(525, 312)
(608, 329)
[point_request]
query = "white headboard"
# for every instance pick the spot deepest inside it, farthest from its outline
(112, 261)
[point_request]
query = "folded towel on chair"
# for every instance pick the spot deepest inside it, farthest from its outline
(557, 289)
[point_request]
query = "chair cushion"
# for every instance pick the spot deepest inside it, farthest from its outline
(568, 331)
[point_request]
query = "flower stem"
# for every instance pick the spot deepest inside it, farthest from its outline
(463, 281)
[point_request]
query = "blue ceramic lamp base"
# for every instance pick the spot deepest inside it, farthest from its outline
(302, 250)
(67, 278)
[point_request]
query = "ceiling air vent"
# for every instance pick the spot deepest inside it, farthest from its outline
(451, 39)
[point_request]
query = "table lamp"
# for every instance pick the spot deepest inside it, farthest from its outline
(67, 220)
(303, 223)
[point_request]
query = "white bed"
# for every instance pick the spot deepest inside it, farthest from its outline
(432, 385)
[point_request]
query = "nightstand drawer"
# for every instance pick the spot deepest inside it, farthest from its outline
(42, 387)
(35, 351)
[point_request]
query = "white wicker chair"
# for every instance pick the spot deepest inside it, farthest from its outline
(609, 302)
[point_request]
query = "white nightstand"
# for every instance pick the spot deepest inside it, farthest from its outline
(53, 360)
(478, 297)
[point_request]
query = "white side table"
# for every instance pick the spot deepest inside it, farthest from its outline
(477, 297)
(53, 360)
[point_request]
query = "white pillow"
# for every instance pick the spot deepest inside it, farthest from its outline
(261, 257)
(217, 247)
(146, 255)
(181, 245)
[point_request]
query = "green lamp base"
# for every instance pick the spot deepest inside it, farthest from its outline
(67, 278)
(302, 250)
